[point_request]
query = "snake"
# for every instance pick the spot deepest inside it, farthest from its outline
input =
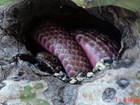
(77, 51)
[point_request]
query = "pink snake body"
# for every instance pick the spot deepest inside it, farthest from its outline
(96, 46)
(78, 53)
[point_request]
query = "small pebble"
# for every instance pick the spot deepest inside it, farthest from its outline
(57, 74)
(107, 60)
(116, 64)
(73, 80)
(100, 65)
(108, 94)
(90, 74)
(62, 74)
(80, 78)
(123, 83)
(66, 79)
(95, 70)
(127, 62)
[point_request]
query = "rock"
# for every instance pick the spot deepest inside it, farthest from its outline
(123, 83)
(109, 94)
(22, 83)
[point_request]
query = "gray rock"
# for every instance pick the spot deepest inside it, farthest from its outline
(108, 94)
(123, 83)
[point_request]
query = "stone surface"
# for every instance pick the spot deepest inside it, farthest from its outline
(123, 83)
(20, 83)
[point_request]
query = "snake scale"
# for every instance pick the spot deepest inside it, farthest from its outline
(77, 51)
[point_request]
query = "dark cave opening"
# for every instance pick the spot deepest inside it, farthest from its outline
(71, 19)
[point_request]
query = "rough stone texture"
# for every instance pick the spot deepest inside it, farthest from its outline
(93, 93)
(123, 83)
(20, 85)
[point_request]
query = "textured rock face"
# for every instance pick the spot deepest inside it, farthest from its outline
(111, 89)
(20, 79)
